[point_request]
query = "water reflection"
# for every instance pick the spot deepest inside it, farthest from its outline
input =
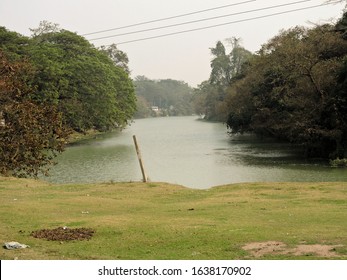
(99, 161)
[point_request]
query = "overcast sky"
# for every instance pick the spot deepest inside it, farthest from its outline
(184, 56)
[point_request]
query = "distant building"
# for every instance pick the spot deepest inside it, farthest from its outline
(155, 109)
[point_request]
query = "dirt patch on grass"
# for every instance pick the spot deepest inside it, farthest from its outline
(328, 251)
(64, 234)
(259, 249)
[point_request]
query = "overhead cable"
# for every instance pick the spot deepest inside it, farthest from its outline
(223, 24)
(200, 20)
(168, 18)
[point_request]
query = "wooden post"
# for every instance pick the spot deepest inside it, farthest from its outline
(140, 159)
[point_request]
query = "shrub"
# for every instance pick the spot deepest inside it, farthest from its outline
(339, 162)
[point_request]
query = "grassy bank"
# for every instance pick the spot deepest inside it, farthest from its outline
(163, 221)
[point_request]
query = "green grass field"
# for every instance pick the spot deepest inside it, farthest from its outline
(162, 221)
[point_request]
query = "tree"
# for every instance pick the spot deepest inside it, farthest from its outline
(118, 57)
(341, 26)
(12, 44)
(226, 68)
(209, 101)
(220, 66)
(45, 27)
(31, 133)
(290, 91)
(171, 96)
(82, 81)
(143, 108)
(239, 57)
(88, 88)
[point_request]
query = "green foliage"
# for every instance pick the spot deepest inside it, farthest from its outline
(225, 67)
(339, 162)
(71, 85)
(118, 57)
(211, 96)
(290, 91)
(209, 101)
(91, 90)
(293, 88)
(341, 25)
(172, 97)
(143, 108)
(221, 70)
(89, 87)
(12, 43)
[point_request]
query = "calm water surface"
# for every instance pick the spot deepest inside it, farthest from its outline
(186, 151)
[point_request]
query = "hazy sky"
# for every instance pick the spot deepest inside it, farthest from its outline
(183, 57)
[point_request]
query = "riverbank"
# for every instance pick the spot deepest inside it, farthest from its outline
(164, 221)
(77, 137)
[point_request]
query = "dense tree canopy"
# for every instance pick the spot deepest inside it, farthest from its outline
(173, 98)
(31, 132)
(292, 91)
(294, 88)
(88, 86)
(72, 85)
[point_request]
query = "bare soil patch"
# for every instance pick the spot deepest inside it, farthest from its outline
(318, 250)
(259, 249)
(64, 234)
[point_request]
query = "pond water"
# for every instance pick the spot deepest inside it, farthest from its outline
(189, 152)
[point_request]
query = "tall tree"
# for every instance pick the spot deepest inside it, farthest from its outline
(90, 90)
(31, 132)
(226, 68)
(220, 66)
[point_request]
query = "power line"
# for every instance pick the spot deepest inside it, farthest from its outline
(168, 18)
(200, 20)
(223, 24)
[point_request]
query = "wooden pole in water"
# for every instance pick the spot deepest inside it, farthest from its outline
(140, 159)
